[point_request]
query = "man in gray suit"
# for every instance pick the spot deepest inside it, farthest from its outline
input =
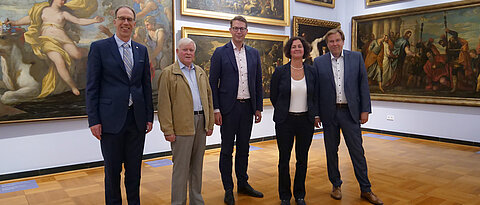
(344, 100)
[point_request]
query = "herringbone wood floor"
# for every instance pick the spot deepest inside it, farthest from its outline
(405, 171)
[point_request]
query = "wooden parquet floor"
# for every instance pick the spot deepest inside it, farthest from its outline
(404, 171)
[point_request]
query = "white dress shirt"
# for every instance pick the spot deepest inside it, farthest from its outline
(241, 59)
(338, 68)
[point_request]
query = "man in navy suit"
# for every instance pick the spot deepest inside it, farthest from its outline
(236, 82)
(119, 105)
(344, 103)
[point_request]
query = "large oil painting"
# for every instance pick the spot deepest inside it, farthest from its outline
(325, 3)
(376, 2)
(269, 46)
(313, 30)
(44, 47)
(272, 12)
(424, 55)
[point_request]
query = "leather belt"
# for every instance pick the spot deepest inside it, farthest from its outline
(198, 112)
(341, 106)
(243, 100)
(298, 113)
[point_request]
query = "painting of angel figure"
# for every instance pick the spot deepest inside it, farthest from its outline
(270, 48)
(427, 54)
(44, 47)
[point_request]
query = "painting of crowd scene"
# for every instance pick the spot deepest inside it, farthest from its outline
(273, 12)
(313, 30)
(428, 54)
(270, 48)
(44, 46)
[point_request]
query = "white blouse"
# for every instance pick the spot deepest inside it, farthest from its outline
(298, 95)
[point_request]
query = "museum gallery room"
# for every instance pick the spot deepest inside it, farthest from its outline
(420, 136)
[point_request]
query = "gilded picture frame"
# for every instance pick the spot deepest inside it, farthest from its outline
(31, 88)
(325, 3)
(377, 2)
(269, 46)
(313, 30)
(422, 55)
(270, 12)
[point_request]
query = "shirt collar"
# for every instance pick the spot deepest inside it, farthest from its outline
(183, 66)
(235, 47)
(333, 57)
(120, 42)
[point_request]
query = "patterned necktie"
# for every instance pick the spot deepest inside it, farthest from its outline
(127, 60)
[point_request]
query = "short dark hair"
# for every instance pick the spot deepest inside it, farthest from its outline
(305, 44)
(239, 18)
(334, 31)
(128, 7)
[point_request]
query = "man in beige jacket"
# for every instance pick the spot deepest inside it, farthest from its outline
(185, 113)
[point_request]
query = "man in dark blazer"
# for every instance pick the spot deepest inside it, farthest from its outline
(344, 103)
(119, 105)
(236, 82)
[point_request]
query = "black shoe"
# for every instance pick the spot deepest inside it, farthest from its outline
(229, 200)
(300, 201)
(285, 202)
(248, 190)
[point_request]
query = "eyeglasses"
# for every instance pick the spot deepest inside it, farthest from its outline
(123, 18)
(242, 29)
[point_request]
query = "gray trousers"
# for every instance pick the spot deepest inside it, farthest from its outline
(187, 157)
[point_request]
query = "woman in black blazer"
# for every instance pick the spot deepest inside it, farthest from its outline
(294, 98)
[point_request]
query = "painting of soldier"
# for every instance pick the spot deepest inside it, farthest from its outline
(43, 49)
(423, 54)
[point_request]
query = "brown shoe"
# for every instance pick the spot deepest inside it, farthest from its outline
(372, 198)
(336, 193)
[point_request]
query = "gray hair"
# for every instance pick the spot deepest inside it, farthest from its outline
(185, 41)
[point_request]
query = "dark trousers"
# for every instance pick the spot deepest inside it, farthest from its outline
(353, 138)
(300, 128)
(124, 147)
(237, 124)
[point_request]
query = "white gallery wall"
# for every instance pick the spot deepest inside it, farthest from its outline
(40, 145)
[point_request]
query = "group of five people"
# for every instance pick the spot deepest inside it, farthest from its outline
(334, 91)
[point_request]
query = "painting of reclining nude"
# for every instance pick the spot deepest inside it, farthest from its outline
(269, 46)
(44, 47)
(426, 55)
(272, 12)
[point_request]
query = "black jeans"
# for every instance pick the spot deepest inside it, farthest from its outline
(286, 131)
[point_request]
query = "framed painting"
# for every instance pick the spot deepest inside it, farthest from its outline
(271, 12)
(269, 46)
(423, 55)
(326, 3)
(313, 30)
(376, 2)
(39, 86)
